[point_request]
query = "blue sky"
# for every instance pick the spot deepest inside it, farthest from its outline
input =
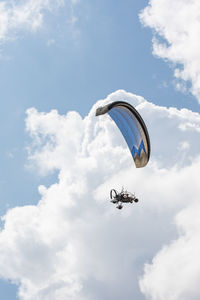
(108, 49)
(81, 53)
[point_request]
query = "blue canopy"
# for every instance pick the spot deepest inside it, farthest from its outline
(132, 128)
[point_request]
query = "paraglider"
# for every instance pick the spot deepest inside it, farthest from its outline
(135, 133)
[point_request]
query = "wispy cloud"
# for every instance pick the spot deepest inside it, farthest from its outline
(26, 15)
(74, 244)
(176, 27)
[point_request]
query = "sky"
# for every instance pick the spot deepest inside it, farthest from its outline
(60, 237)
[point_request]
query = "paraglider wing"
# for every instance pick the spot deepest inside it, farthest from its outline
(132, 128)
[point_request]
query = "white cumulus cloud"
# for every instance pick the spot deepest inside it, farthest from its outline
(74, 244)
(175, 270)
(176, 26)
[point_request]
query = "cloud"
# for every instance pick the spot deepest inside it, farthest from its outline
(74, 244)
(176, 26)
(175, 270)
(25, 15)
